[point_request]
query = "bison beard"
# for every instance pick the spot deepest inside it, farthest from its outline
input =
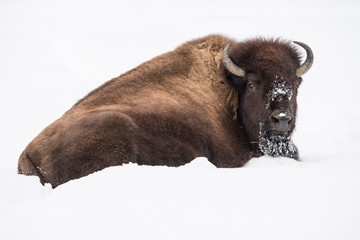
(277, 145)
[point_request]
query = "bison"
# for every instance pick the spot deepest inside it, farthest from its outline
(212, 97)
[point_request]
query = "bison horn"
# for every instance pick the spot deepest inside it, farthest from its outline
(308, 62)
(230, 65)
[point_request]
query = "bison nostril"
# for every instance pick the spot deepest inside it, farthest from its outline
(281, 122)
(275, 119)
(281, 118)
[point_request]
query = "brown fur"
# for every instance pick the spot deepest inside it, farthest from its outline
(167, 111)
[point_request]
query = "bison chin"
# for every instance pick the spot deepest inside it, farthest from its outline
(278, 146)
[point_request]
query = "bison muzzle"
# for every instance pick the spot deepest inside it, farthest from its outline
(213, 97)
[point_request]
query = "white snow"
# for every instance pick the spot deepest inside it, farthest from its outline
(279, 89)
(54, 52)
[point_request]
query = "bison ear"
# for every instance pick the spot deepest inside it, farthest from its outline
(237, 82)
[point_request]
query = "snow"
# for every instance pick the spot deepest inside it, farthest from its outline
(278, 146)
(54, 52)
(279, 90)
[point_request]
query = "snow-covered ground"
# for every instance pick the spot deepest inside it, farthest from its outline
(54, 52)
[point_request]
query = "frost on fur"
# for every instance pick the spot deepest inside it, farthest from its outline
(277, 145)
(280, 89)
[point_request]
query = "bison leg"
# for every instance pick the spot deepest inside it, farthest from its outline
(74, 147)
(27, 167)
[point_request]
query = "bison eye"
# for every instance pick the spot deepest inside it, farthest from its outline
(296, 86)
(251, 86)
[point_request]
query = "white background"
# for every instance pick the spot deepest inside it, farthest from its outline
(52, 53)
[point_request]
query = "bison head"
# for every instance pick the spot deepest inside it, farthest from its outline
(267, 75)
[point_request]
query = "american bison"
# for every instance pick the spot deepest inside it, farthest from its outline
(213, 97)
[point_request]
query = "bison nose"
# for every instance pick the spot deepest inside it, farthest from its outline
(281, 122)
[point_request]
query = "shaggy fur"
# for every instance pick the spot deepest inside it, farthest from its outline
(167, 111)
